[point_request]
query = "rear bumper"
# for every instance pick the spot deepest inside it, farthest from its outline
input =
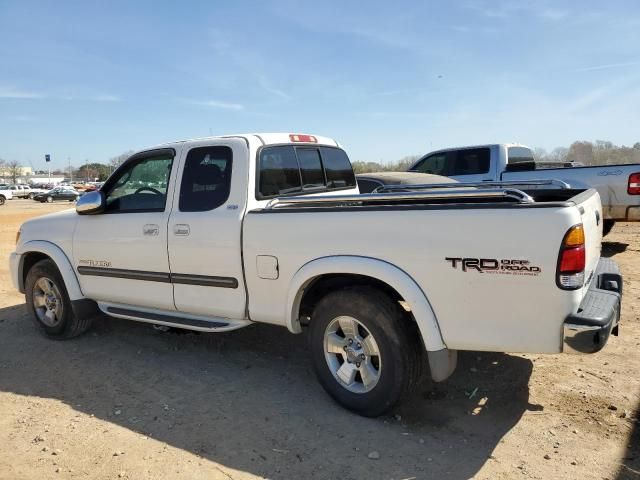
(588, 330)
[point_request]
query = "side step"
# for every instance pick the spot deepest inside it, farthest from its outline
(189, 322)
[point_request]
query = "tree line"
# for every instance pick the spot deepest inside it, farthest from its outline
(600, 152)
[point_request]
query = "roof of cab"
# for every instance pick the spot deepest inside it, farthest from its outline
(266, 139)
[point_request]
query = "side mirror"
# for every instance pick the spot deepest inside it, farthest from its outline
(91, 203)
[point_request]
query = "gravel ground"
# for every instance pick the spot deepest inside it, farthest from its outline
(124, 401)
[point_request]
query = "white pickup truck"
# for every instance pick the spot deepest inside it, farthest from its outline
(618, 185)
(219, 233)
(5, 193)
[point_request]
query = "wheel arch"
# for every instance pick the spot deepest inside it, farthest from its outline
(33, 251)
(321, 275)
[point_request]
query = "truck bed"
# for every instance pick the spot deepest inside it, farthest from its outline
(492, 311)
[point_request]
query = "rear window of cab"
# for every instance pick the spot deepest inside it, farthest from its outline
(292, 170)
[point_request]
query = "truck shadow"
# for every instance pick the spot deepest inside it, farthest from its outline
(249, 400)
(609, 249)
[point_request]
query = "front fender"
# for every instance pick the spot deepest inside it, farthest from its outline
(393, 276)
(59, 258)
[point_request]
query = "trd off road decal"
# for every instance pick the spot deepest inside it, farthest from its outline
(493, 265)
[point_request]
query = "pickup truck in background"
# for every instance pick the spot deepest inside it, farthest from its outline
(5, 193)
(219, 233)
(618, 185)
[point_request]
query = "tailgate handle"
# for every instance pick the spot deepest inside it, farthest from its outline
(597, 217)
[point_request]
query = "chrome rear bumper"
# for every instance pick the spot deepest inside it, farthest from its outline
(588, 330)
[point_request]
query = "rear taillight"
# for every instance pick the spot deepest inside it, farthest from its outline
(633, 188)
(571, 260)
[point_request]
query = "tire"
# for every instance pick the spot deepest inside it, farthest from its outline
(45, 291)
(607, 225)
(392, 373)
(2, 199)
(49, 199)
(31, 195)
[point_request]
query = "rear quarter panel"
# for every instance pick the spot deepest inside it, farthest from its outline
(492, 311)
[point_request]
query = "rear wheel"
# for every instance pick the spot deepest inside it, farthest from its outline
(2, 200)
(49, 303)
(365, 351)
(607, 225)
(31, 195)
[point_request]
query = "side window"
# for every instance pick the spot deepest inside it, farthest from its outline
(279, 172)
(472, 161)
(206, 179)
(367, 186)
(310, 167)
(435, 164)
(337, 168)
(141, 186)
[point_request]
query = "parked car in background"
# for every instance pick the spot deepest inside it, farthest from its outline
(59, 193)
(368, 182)
(5, 193)
(19, 191)
(618, 185)
(37, 189)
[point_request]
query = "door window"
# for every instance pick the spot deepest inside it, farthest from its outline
(141, 185)
(206, 179)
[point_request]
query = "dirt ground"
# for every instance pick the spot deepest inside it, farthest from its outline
(125, 401)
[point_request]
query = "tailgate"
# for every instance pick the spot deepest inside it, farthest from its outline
(590, 208)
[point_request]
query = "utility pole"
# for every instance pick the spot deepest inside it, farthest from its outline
(70, 171)
(47, 159)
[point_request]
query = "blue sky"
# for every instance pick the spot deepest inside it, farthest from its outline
(89, 80)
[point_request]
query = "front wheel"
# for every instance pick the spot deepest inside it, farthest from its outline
(49, 199)
(49, 303)
(365, 350)
(2, 200)
(31, 195)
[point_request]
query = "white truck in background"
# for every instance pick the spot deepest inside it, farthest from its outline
(618, 185)
(219, 233)
(5, 193)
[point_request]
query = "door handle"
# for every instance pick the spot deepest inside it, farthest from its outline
(181, 229)
(150, 230)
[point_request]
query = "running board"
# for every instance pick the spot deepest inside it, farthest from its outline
(189, 322)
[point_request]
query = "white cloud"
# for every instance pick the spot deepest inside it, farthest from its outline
(217, 104)
(17, 93)
(607, 65)
(12, 92)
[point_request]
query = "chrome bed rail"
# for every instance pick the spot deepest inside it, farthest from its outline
(511, 183)
(463, 194)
